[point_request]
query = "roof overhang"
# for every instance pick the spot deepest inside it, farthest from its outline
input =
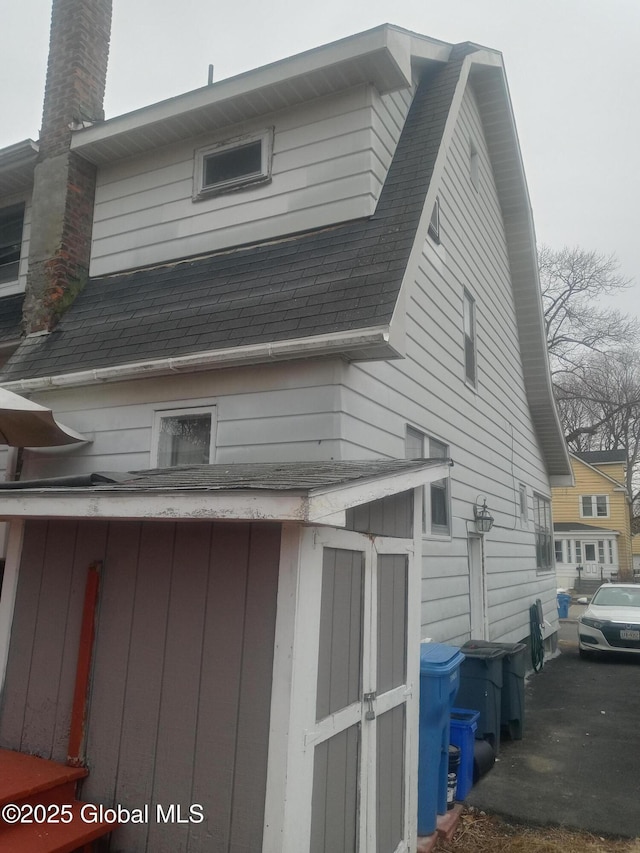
(324, 504)
(382, 57)
(17, 163)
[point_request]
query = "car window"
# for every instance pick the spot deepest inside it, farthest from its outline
(617, 597)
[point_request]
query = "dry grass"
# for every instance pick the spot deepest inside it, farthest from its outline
(482, 833)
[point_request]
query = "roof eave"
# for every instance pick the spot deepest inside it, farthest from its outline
(381, 56)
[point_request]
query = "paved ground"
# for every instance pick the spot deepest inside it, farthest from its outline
(578, 764)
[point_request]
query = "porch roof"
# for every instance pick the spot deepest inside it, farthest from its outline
(318, 492)
(578, 527)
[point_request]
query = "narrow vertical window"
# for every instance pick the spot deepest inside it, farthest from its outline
(524, 509)
(601, 550)
(11, 221)
(558, 549)
(474, 165)
(469, 320)
(434, 222)
(610, 547)
(578, 548)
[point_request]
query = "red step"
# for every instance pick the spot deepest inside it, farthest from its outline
(39, 788)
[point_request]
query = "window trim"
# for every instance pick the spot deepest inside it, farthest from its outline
(181, 411)
(434, 222)
(429, 529)
(469, 341)
(12, 213)
(594, 506)
(543, 534)
(265, 137)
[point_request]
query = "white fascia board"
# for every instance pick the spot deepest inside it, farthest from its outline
(326, 506)
(327, 502)
(392, 41)
(331, 344)
(165, 505)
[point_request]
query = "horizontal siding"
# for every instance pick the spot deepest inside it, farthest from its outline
(274, 413)
(329, 161)
(566, 505)
(488, 428)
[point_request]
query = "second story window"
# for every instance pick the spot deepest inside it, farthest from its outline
(11, 222)
(469, 321)
(594, 506)
(232, 164)
(183, 437)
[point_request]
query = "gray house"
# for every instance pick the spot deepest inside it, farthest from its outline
(301, 331)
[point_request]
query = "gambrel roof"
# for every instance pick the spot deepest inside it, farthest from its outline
(337, 290)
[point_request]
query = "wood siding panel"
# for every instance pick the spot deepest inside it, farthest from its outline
(25, 620)
(391, 516)
(181, 684)
(390, 779)
(341, 626)
(334, 818)
(392, 621)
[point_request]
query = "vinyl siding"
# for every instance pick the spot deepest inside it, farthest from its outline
(589, 481)
(488, 428)
(265, 413)
(330, 159)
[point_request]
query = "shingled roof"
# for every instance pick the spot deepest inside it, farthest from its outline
(602, 457)
(330, 280)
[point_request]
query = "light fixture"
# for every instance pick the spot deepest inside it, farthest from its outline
(483, 518)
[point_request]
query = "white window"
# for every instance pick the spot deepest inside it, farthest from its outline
(589, 552)
(610, 549)
(578, 547)
(524, 508)
(434, 222)
(233, 164)
(542, 523)
(594, 506)
(469, 322)
(558, 549)
(474, 165)
(11, 222)
(184, 437)
(601, 550)
(568, 541)
(436, 518)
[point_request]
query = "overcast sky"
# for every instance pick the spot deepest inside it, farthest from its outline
(573, 68)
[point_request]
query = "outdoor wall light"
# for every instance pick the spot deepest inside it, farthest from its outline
(483, 518)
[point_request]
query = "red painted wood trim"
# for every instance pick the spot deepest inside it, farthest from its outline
(83, 668)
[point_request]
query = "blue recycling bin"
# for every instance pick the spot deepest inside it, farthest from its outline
(464, 724)
(564, 600)
(439, 681)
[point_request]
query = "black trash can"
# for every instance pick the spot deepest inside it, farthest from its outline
(513, 672)
(481, 688)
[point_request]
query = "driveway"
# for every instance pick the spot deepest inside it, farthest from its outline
(578, 764)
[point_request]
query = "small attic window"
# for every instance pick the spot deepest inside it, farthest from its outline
(232, 164)
(11, 222)
(434, 222)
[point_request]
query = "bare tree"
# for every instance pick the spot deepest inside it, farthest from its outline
(573, 282)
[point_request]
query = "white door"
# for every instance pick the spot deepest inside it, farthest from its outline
(363, 746)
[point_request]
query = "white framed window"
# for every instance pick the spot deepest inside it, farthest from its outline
(601, 550)
(589, 552)
(183, 437)
(610, 549)
(594, 506)
(11, 224)
(436, 514)
(558, 550)
(578, 549)
(233, 164)
(569, 560)
(543, 532)
(469, 323)
(474, 165)
(434, 222)
(523, 503)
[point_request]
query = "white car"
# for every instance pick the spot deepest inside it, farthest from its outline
(611, 623)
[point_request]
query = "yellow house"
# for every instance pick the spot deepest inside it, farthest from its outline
(591, 520)
(635, 545)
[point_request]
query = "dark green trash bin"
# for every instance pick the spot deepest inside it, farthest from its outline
(513, 672)
(481, 688)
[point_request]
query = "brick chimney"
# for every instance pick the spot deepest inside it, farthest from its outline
(64, 184)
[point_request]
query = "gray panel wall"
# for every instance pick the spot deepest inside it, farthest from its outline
(341, 612)
(392, 621)
(392, 516)
(334, 818)
(390, 780)
(181, 686)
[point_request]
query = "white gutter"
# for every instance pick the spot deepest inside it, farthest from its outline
(376, 336)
